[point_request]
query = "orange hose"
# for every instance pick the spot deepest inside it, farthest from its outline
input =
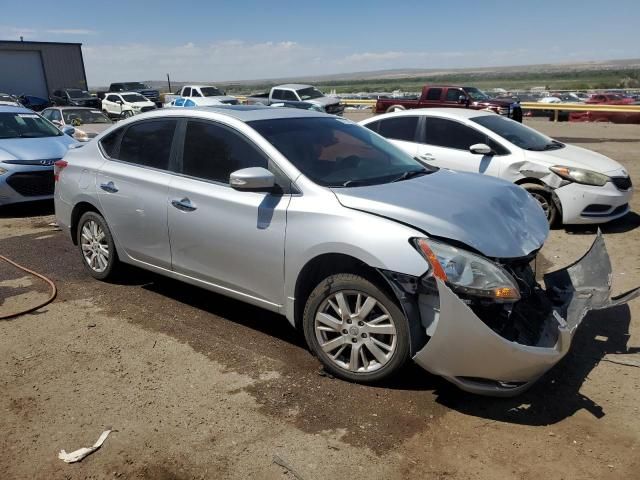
(54, 291)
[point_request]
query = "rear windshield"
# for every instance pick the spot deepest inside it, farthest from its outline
(26, 125)
(336, 152)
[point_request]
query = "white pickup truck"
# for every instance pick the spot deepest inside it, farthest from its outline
(200, 95)
(294, 92)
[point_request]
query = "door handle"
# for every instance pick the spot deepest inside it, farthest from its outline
(185, 205)
(109, 187)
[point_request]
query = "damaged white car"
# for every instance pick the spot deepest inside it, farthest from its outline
(375, 257)
(573, 185)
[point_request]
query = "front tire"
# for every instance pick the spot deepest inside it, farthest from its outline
(355, 329)
(126, 114)
(544, 198)
(97, 249)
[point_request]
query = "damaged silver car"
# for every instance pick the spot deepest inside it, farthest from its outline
(375, 257)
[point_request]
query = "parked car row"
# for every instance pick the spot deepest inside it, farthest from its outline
(375, 256)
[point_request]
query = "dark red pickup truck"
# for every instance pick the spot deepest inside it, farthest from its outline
(453, 97)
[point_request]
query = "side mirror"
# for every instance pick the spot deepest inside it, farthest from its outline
(481, 149)
(120, 102)
(67, 130)
(255, 179)
(462, 99)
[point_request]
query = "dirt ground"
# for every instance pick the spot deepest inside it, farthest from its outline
(196, 385)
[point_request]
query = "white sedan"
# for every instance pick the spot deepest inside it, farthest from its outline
(572, 184)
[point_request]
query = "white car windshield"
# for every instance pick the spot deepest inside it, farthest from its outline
(211, 92)
(309, 93)
(134, 98)
(337, 153)
(518, 134)
(79, 116)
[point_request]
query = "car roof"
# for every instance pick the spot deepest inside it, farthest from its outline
(465, 113)
(293, 86)
(244, 113)
(14, 109)
(69, 107)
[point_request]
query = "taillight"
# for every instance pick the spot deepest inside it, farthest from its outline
(58, 167)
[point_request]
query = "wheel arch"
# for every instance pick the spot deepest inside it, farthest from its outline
(78, 210)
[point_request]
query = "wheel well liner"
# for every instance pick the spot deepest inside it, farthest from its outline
(78, 210)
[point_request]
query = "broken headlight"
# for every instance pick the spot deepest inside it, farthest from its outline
(580, 175)
(466, 272)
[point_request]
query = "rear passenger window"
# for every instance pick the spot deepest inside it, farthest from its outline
(447, 133)
(213, 152)
(148, 143)
(399, 128)
(373, 126)
(110, 142)
(434, 94)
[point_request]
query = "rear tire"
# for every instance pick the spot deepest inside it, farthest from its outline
(545, 199)
(355, 329)
(96, 246)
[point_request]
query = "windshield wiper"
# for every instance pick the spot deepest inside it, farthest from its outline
(411, 174)
(553, 145)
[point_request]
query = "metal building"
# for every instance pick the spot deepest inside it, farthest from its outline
(39, 68)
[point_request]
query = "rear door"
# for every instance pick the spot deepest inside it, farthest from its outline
(401, 130)
(445, 143)
(229, 238)
(133, 186)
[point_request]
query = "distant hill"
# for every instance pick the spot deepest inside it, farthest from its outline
(575, 75)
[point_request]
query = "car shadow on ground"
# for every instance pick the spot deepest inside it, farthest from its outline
(27, 209)
(629, 222)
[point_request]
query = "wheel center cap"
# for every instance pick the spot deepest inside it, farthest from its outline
(353, 331)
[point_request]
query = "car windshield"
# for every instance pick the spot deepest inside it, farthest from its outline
(337, 152)
(26, 125)
(80, 116)
(518, 134)
(211, 92)
(134, 98)
(476, 94)
(134, 86)
(78, 93)
(309, 93)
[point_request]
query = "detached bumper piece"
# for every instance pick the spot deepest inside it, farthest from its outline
(467, 352)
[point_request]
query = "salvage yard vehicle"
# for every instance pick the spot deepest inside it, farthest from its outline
(29, 146)
(375, 257)
(121, 87)
(7, 99)
(293, 92)
(74, 97)
(91, 120)
(451, 96)
(124, 105)
(572, 184)
(198, 94)
(188, 102)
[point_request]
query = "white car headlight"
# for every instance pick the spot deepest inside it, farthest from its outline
(580, 175)
(468, 273)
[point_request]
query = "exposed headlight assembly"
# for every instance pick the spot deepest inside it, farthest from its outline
(466, 272)
(580, 175)
(3, 171)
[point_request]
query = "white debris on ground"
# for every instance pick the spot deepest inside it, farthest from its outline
(81, 453)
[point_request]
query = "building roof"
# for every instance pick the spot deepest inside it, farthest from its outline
(37, 43)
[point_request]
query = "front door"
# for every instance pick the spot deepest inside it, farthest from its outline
(229, 238)
(446, 143)
(133, 188)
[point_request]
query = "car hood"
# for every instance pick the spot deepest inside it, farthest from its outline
(323, 101)
(572, 156)
(494, 217)
(34, 148)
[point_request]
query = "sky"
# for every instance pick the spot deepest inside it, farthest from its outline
(246, 40)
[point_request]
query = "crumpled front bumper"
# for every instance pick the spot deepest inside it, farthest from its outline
(464, 350)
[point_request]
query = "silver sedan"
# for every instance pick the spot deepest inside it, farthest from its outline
(375, 257)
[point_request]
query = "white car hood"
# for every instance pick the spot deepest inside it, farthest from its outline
(572, 156)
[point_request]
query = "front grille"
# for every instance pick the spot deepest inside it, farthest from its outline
(32, 184)
(44, 162)
(146, 109)
(335, 109)
(622, 183)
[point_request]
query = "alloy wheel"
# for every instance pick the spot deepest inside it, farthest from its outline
(355, 331)
(95, 248)
(544, 203)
